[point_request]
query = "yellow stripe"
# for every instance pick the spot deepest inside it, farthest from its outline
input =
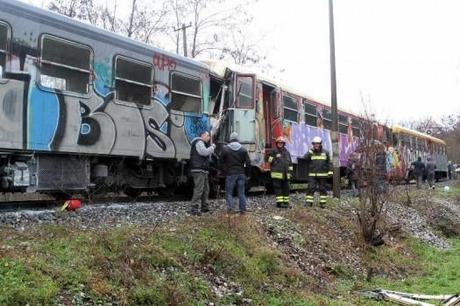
(277, 175)
(318, 158)
(291, 168)
(330, 173)
(322, 174)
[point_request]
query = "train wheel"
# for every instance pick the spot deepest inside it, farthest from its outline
(133, 193)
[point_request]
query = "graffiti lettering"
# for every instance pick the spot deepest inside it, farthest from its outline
(163, 62)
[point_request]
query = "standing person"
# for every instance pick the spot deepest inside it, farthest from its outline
(200, 155)
(430, 170)
(354, 172)
(319, 169)
(450, 168)
(418, 168)
(236, 165)
(281, 168)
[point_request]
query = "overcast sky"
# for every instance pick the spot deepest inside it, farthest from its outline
(402, 56)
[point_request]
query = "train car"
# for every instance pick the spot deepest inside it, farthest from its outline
(409, 145)
(260, 110)
(85, 109)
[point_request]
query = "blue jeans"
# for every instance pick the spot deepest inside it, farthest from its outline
(240, 181)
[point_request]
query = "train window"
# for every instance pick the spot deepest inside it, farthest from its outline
(343, 119)
(133, 81)
(395, 140)
(327, 119)
(186, 93)
(245, 92)
(310, 114)
(65, 65)
(343, 124)
(356, 127)
(4, 37)
(290, 109)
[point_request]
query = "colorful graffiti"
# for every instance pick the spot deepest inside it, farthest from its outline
(301, 136)
(163, 62)
(50, 120)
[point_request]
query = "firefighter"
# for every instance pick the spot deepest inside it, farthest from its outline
(281, 168)
(319, 169)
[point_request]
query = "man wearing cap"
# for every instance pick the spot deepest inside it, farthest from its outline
(319, 169)
(280, 172)
(200, 155)
(235, 162)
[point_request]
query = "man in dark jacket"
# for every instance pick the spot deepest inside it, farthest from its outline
(430, 171)
(280, 172)
(236, 164)
(418, 168)
(319, 169)
(200, 155)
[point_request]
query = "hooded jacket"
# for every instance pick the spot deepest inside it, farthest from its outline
(235, 160)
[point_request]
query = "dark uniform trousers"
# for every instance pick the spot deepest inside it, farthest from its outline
(281, 168)
(320, 170)
(314, 184)
(281, 188)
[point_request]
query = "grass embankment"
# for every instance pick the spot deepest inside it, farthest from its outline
(224, 260)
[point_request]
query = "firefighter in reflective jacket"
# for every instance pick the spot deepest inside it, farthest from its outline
(281, 168)
(319, 169)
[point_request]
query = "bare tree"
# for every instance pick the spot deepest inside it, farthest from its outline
(219, 29)
(375, 190)
(144, 21)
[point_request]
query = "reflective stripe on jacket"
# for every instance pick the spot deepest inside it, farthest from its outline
(319, 163)
(281, 164)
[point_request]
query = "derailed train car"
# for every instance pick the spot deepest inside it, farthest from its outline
(82, 108)
(260, 110)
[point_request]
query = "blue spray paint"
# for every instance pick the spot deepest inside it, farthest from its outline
(43, 119)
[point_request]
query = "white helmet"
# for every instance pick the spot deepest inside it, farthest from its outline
(317, 139)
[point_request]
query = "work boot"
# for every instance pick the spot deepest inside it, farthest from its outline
(194, 212)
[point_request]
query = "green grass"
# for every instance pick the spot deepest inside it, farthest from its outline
(178, 265)
(439, 271)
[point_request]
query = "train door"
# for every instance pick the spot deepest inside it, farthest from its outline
(269, 107)
(244, 95)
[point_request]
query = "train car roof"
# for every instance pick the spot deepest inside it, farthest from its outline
(219, 68)
(40, 15)
(400, 129)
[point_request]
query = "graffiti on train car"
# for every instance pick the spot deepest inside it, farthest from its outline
(50, 120)
(163, 62)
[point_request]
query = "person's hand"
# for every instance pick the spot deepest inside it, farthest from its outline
(213, 145)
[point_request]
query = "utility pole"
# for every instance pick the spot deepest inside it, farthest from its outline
(184, 37)
(335, 124)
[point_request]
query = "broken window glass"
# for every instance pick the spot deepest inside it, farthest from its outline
(245, 92)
